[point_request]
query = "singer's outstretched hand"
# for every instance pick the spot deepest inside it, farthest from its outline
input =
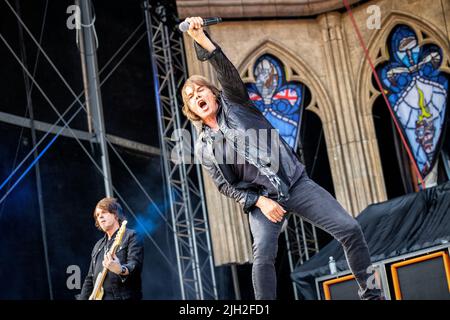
(196, 32)
(195, 26)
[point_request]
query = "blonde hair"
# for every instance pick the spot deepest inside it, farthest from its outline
(200, 81)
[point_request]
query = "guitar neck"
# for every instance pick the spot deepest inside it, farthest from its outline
(104, 272)
(101, 276)
(99, 283)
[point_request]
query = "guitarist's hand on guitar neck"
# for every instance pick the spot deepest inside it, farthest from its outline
(112, 263)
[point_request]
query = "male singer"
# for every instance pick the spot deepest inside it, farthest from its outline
(266, 186)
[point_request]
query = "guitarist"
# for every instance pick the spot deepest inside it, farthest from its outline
(123, 279)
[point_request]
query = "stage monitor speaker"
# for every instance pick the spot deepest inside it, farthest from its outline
(344, 288)
(423, 278)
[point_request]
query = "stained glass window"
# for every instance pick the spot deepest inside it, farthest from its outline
(417, 91)
(279, 100)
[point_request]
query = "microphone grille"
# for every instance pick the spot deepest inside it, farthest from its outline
(184, 26)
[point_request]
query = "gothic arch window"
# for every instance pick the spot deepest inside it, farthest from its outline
(280, 101)
(284, 103)
(314, 150)
(289, 106)
(417, 92)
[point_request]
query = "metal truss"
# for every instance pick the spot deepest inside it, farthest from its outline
(80, 134)
(189, 219)
(182, 178)
(300, 235)
(301, 243)
(67, 131)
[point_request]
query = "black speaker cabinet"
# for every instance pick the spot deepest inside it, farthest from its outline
(422, 278)
(343, 288)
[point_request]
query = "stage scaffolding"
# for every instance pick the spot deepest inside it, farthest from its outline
(183, 180)
(301, 243)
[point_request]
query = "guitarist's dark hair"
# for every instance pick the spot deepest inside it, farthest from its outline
(111, 205)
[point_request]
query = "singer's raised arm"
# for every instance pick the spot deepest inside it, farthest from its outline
(207, 50)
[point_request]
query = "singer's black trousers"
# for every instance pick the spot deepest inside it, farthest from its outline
(314, 204)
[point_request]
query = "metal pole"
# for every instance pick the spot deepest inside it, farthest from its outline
(88, 53)
(237, 291)
(290, 256)
(189, 219)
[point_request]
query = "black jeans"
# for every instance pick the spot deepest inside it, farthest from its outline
(316, 205)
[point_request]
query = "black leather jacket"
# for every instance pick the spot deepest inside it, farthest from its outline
(131, 255)
(236, 114)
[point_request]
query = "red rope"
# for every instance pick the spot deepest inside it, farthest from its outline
(366, 51)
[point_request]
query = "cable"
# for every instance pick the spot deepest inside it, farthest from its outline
(40, 42)
(137, 181)
(366, 52)
(73, 103)
(31, 90)
(53, 140)
(445, 23)
(316, 153)
(37, 167)
(170, 263)
(61, 118)
(56, 111)
(62, 77)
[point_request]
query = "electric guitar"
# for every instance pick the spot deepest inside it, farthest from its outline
(97, 293)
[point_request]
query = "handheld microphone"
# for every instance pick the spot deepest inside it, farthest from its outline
(184, 26)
